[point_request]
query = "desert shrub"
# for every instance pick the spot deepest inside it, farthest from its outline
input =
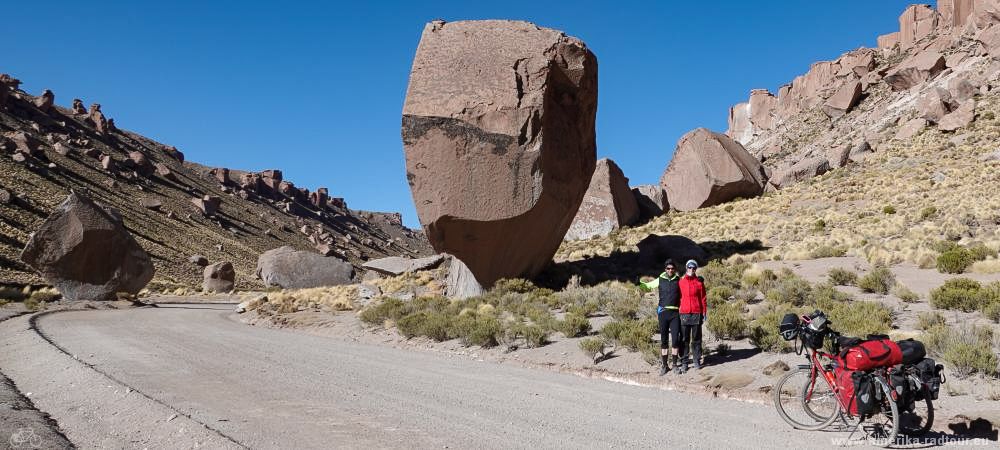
(32, 304)
(955, 260)
(631, 334)
(963, 294)
(476, 329)
(763, 332)
(928, 212)
(819, 225)
(858, 318)
(534, 335)
(592, 347)
(432, 324)
(719, 274)
(514, 285)
(889, 209)
(992, 311)
(905, 294)
(790, 289)
(827, 251)
(11, 294)
(387, 309)
(718, 295)
(586, 309)
(44, 295)
(842, 277)
(929, 319)
(762, 280)
(967, 349)
(573, 325)
(879, 281)
(825, 295)
(980, 252)
(726, 321)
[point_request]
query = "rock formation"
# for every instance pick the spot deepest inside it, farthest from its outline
(498, 128)
(651, 200)
(607, 205)
(395, 265)
(44, 102)
(288, 268)
(86, 253)
(708, 169)
(219, 277)
(78, 107)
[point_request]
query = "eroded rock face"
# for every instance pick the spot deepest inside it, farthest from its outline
(841, 103)
(44, 102)
(607, 205)
(651, 199)
(86, 253)
(800, 171)
(498, 127)
(219, 277)
(709, 168)
(916, 23)
(916, 70)
(288, 268)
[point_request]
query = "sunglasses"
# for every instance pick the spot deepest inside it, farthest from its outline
(670, 268)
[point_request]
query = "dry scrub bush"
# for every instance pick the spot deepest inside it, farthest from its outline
(726, 321)
(593, 348)
(967, 349)
(905, 294)
(929, 319)
(879, 281)
(842, 277)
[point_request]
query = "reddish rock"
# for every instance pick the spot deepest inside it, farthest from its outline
(199, 260)
(498, 129)
(287, 188)
(934, 104)
(93, 153)
(916, 23)
(107, 163)
(985, 13)
(164, 172)
(318, 198)
(111, 125)
(208, 205)
(962, 89)
(651, 199)
(607, 205)
(857, 62)
(990, 38)
(800, 171)
(839, 156)
(762, 105)
(337, 202)
(219, 277)
(846, 98)
(24, 143)
(78, 107)
(8, 85)
(172, 152)
(288, 268)
(740, 128)
(916, 70)
(221, 175)
(19, 157)
(911, 129)
(271, 179)
(86, 253)
(151, 203)
(140, 163)
(708, 169)
(888, 40)
(954, 13)
(44, 102)
(326, 249)
(62, 149)
(97, 119)
(959, 118)
(250, 182)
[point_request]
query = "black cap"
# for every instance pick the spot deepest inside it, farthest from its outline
(669, 262)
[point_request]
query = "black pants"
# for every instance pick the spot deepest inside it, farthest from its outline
(691, 333)
(670, 328)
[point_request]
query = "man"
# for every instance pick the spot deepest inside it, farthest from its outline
(667, 312)
(693, 313)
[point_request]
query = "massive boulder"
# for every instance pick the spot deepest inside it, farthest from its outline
(86, 252)
(651, 199)
(935, 104)
(916, 70)
(288, 268)
(219, 277)
(498, 128)
(841, 103)
(960, 117)
(709, 168)
(461, 281)
(607, 205)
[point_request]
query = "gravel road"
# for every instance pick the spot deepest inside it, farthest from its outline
(263, 388)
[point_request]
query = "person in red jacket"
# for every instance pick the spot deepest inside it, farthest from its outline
(694, 312)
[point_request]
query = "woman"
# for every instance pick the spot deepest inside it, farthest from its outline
(694, 312)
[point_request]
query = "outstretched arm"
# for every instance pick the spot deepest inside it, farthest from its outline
(650, 285)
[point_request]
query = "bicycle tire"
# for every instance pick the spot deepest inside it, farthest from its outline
(800, 401)
(884, 438)
(904, 427)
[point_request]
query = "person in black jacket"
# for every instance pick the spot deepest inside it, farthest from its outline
(668, 314)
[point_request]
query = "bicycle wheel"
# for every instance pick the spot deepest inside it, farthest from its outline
(882, 428)
(805, 402)
(919, 420)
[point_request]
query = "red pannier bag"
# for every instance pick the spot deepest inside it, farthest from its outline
(871, 354)
(845, 389)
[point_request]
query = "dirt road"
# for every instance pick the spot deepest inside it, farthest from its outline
(264, 388)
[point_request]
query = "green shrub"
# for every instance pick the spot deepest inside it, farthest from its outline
(945, 246)
(763, 332)
(790, 289)
(842, 277)
(631, 334)
(592, 347)
(827, 251)
(763, 281)
(719, 274)
(928, 212)
(12, 294)
(879, 281)
(32, 304)
(954, 261)
(929, 319)
(534, 336)
(859, 318)
(963, 294)
(726, 321)
(573, 325)
(434, 325)
(718, 295)
(966, 349)
(482, 330)
(889, 209)
(819, 225)
(825, 295)
(905, 294)
(586, 310)
(980, 252)
(386, 309)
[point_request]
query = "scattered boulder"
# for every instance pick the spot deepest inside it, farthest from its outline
(62, 149)
(271, 179)
(860, 152)
(916, 70)
(97, 119)
(776, 368)
(934, 104)
(800, 171)
(607, 205)
(172, 152)
(960, 117)
(395, 265)
(85, 251)
(651, 199)
(164, 172)
(990, 39)
(961, 89)
(498, 130)
(911, 128)
(199, 260)
(319, 198)
(44, 102)
(730, 380)
(709, 168)
(208, 205)
(288, 268)
(140, 163)
(846, 98)
(6, 197)
(221, 175)
(654, 249)
(107, 163)
(839, 156)
(24, 143)
(461, 281)
(78, 108)
(219, 277)
(151, 203)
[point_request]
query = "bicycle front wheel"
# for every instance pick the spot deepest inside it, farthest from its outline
(804, 401)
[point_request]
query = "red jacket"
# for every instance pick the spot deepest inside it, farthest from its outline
(693, 298)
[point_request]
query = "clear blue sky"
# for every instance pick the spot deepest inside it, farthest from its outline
(316, 88)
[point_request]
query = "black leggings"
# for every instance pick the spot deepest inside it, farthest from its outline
(670, 328)
(692, 338)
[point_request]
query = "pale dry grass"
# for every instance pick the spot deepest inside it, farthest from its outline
(332, 298)
(987, 266)
(427, 282)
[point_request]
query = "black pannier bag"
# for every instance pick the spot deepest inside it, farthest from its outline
(931, 374)
(905, 391)
(812, 339)
(913, 351)
(789, 326)
(864, 393)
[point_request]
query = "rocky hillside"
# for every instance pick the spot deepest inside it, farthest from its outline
(175, 208)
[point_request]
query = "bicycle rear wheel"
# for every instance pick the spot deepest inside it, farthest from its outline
(920, 420)
(805, 402)
(882, 428)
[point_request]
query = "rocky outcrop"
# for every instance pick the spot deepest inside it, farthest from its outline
(607, 205)
(934, 104)
(96, 118)
(651, 199)
(800, 171)
(219, 277)
(78, 108)
(498, 129)
(708, 169)
(916, 23)
(916, 70)
(86, 253)
(461, 282)
(960, 117)
(45, 101)
(208, 204)
(911, 128)
(288, 268)
(846, 97)
(395, 265)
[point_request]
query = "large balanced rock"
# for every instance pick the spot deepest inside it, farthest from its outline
(86, 253)
(396, 265)
(498, 127)
(709, 168)
(288, 268)
(607, 205)
(219, 277)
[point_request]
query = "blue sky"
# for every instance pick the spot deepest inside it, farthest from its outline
(316, 88)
